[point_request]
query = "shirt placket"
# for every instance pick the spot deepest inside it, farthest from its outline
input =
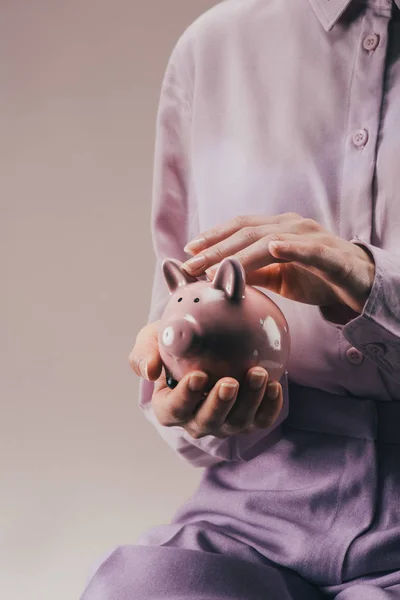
(364, 112)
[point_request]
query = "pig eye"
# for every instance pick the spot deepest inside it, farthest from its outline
(179, 299)
(170, 381)
(196, 300)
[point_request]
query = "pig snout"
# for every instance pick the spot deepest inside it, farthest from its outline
(180, 336)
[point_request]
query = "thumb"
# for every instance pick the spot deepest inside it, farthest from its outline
(145, 358)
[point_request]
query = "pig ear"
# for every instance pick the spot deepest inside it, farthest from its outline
(174, 275)
(230, 278)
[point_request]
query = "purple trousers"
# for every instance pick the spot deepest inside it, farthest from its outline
(313, 513)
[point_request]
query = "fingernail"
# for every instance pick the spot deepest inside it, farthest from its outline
(144, 369)
(278, 246)
(195, 263)
(212, 270)
(227, 391)
(273, 391)
(256, 380)
(197, 381)
(195, 244)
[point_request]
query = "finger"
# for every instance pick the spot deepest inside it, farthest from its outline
(217, 234)
(252, 254)
(322, 260)
(145, 358)
(257, 255)
(270, 406)
(251, 394)
(270, 277)
(212, 413)
(176, 406)
(239, 241)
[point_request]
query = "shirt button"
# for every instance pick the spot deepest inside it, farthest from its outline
(376, 349)
(371, 42)
(360, 137)
(354, 356)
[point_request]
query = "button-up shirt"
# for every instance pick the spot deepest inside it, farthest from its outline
(274, 106)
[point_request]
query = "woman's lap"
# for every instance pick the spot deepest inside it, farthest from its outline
(172, 573)
(155, 572)
(315, 515)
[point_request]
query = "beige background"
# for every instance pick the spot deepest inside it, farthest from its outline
(81, 469)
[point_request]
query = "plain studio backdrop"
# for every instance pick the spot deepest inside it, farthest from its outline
(82, 471)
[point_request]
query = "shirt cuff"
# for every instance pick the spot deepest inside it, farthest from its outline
(376, 331)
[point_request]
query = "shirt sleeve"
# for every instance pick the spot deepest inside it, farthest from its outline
(170, 217)
(376, 331)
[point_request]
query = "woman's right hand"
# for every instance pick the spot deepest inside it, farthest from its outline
(225, 411)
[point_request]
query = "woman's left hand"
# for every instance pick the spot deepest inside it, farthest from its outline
(289, 255)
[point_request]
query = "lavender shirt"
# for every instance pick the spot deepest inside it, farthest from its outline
(273, 106)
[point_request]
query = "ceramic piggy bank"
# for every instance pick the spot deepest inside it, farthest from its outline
(222, 327)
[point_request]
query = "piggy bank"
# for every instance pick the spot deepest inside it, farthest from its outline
(222, 327)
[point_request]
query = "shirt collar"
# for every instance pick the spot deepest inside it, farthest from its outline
(330, 11)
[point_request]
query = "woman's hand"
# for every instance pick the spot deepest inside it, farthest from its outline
(225, 411)
(290, 255)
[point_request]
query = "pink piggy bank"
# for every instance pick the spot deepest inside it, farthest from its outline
(222, 327)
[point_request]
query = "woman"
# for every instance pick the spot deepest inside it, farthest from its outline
(278, 142)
